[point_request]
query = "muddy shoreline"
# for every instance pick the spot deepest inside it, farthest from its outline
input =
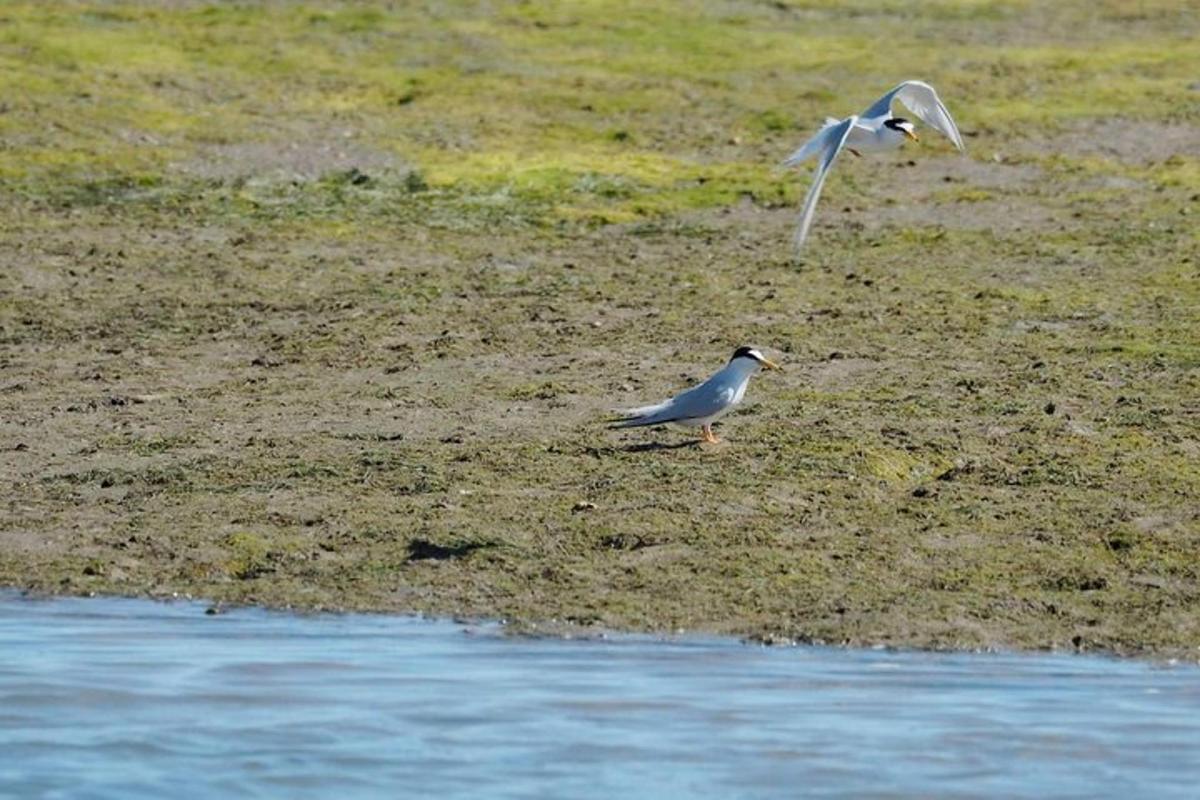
(370, 371)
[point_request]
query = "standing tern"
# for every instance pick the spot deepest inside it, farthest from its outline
(703, 405)
(874, 130)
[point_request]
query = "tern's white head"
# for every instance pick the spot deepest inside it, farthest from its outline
(903, 127)
(751, 358)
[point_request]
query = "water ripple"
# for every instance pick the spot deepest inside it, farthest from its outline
(110, 698)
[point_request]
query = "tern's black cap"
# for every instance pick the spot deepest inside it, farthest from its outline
(747, 352)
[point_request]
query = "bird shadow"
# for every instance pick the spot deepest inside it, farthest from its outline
(654, 447)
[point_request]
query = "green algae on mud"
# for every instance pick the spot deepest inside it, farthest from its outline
(322, 306)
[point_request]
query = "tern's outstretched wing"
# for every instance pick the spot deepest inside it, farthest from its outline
(833, 139)
(922, 100)
(813, 146)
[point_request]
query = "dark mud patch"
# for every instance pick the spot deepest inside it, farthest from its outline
(425, 550)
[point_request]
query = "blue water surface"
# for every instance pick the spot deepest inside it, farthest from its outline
(114, 698)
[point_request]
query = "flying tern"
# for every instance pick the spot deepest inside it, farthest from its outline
(701, 406)
(874, 130)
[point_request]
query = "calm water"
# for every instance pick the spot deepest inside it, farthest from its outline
(131, 699)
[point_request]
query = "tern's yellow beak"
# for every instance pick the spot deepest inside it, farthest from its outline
(911, 135)
(769, 364)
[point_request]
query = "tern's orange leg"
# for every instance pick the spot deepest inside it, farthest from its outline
(706, 435)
